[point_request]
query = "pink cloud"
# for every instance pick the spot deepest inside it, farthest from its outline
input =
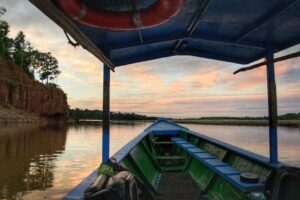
(199, 80)
(254, 78)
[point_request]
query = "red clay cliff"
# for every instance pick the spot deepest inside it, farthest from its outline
(28, 97)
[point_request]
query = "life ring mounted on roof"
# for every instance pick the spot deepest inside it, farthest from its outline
(161, 12)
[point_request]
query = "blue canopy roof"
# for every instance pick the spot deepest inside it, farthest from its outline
(231, 30)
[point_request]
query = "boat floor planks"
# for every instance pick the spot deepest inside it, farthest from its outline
(177, 186)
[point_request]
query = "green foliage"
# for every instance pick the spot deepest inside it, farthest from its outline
(77, 114)
(5, 42)
(288, 116)
(45, 65)
(22, 53)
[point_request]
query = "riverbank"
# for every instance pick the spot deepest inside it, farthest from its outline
(205, 122)
(10, 115)
(239, 122)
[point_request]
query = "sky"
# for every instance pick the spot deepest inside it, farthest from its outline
(178, 87)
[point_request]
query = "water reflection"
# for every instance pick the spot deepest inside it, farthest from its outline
(27, 155)
(38, 162)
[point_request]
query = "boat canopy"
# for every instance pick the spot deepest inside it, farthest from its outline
(232, 31)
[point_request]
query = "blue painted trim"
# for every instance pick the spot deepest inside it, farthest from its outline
(166, 132)
(222, 169)
(77, 193)
(272, 119)
(273, 146)
(106, 114)
(159, 120)
(270, 64)
(244, 153)
(106, 73)
(105, 145)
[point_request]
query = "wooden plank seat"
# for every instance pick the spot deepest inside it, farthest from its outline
(224, 170)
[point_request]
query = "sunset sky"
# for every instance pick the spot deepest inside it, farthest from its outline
(171, 87)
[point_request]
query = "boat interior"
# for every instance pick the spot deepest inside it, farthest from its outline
(172, 162)
(179, 164)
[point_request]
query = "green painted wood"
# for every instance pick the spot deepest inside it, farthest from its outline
(215, 186)
(130, 164)
(170, 157)
(148, 166)
(213, 149)
(172, 168)
(151, 157)
(200, 174)
(145, 162)
(194, 140)
(141, 163)
(245, 165)
(223, 190)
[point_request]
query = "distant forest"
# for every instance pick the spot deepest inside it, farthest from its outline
(77, 114)
(288, 116)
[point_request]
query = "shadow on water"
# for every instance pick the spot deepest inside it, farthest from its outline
(27, 154)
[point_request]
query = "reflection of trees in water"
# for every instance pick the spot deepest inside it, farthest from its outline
(27, 155)
(39, 175)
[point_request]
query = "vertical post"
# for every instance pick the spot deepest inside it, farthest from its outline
(272, 106)
(106, 113)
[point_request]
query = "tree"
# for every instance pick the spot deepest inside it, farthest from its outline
(22, 54)
(45, 65)
(5, 42)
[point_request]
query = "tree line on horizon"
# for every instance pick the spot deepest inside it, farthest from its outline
(287, 116)
(84, 114)
(20, 51)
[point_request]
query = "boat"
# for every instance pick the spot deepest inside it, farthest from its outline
(169, 161)
(174, 162)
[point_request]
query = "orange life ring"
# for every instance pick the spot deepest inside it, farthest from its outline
(159, 13)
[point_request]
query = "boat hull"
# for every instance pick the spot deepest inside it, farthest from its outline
(213, 166)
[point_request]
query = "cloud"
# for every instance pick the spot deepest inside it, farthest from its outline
(257, 77)
(182, 86)
(202, 78)
(247, 105)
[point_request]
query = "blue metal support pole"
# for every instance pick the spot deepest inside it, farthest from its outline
(106, 113)
(272, 106)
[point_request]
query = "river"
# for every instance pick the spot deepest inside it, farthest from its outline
(45, 162)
